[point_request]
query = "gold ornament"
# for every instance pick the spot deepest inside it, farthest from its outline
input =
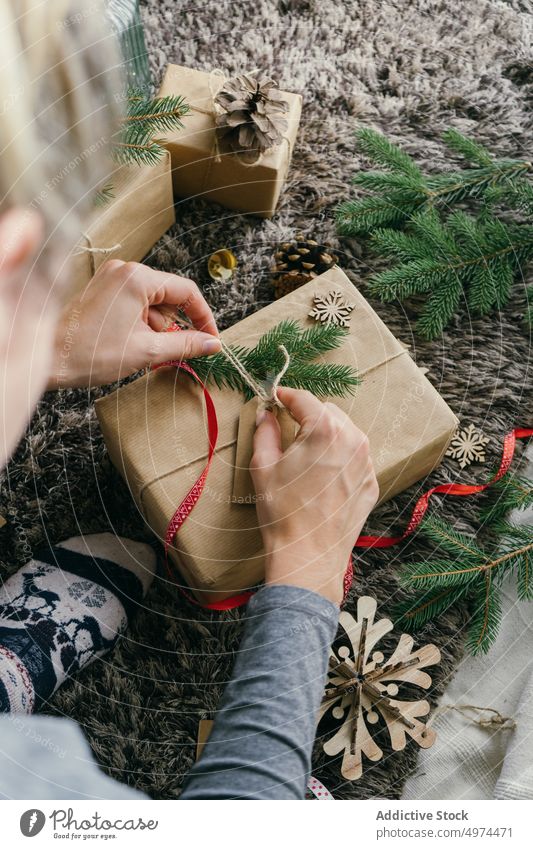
(468, 446)
(362, 689)
(332, 309)
(221, 264)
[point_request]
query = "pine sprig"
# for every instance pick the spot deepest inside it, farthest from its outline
(265, 360)
(135, 140)
(104, 195)
(145, 117)
(511, 492)
(404, 190)
(470, 573)
(447, 256)
(160, 114)
(466, 257)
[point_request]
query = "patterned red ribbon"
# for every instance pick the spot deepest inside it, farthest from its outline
(418, 513)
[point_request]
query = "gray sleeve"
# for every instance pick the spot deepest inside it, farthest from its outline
(261, 743)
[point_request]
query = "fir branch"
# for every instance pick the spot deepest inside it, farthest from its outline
(439, 574)
(472, 573)
(470, 150)
(509, 493)
(403, 190)
(415, 612)
(216, 369)
(355, 217)
(379, 149)
(466, 255)
(265, 360)
(322, 379)
(160, 114)
(104, 195)
(145, 117)
(447, 256)
(486, 616)
(319, 340)
(446, 537)
(142, 151)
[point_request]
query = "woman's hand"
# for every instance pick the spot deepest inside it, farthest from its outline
(113, 328)
(314, 498)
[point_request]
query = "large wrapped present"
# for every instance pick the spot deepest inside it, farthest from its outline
(204, 166)
(129, 225)
(156, 433)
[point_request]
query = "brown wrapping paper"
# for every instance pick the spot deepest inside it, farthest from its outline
(155, 431)
(127, 227)
(243, 488)
(197, 170)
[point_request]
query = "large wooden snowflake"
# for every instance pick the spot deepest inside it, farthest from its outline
(362, 687)
(332, 308)
(468, 446)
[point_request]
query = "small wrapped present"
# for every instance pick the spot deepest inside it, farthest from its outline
(130, 224)
(157, 435)
(223, 154)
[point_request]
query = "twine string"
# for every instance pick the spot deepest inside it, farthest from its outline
(494, 720)
(268, 397)
(212, 112)
(86, 249)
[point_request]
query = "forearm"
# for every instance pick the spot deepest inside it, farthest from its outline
(261, 743)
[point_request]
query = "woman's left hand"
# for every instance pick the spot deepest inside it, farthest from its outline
(113, 328)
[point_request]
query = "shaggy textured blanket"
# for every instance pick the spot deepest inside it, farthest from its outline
(411, 69)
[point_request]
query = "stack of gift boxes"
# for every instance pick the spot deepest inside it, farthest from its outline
(161, 455)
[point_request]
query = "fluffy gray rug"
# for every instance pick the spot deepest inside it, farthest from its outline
(410, 69)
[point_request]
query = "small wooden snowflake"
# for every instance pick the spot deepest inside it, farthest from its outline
(362, 688)
(332, 308)
(468, 446)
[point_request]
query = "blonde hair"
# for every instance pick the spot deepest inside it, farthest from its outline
(60, 93)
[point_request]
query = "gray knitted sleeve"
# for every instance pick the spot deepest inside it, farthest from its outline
(260, 746)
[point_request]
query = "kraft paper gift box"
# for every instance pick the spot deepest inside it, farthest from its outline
(202, 167)
(156, 434)
(130, 224)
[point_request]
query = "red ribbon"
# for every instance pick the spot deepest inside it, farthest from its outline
(421, 506)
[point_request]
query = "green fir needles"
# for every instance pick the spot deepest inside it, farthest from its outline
(146, 118)
(463, 569)
(137, 140)
(441, 254)
(266, 360)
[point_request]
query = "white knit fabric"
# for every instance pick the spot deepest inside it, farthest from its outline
(471, 762)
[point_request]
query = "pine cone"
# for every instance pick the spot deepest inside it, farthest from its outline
(252, 120)
(298, 262)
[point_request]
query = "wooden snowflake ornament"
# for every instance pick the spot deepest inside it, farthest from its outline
(362, 687)
(468, 446)
(332, 308)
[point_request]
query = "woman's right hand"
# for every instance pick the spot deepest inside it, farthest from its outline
(314, 498)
